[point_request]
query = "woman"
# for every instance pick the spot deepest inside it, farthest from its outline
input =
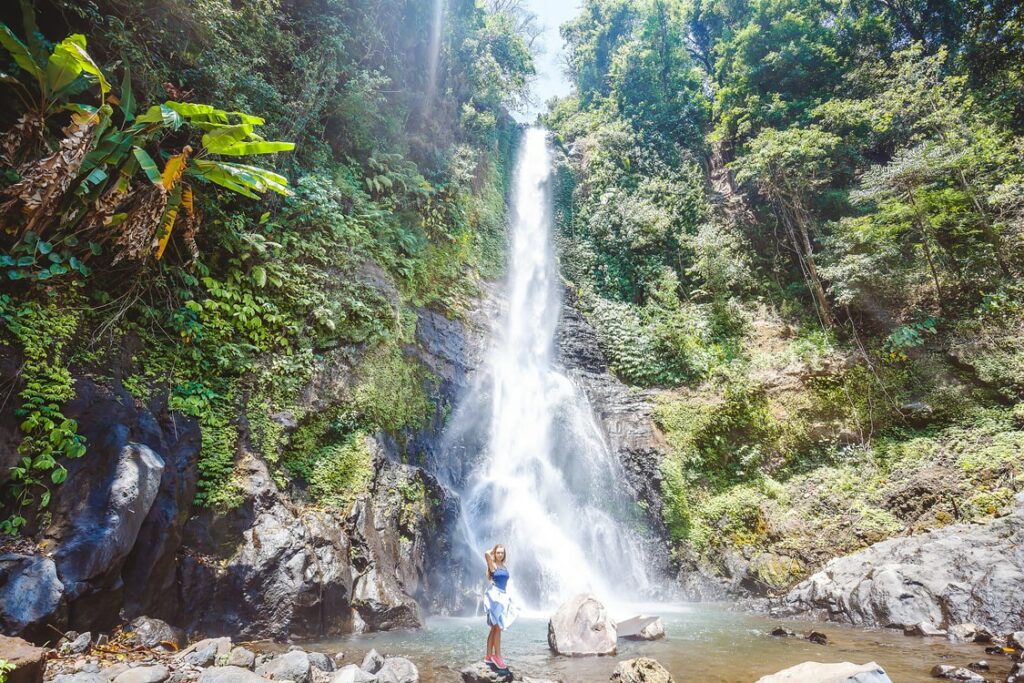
(500, 610)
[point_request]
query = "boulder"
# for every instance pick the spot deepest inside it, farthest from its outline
(843, 672)
(956, 673)
(153, 633)
(321, 661)
(372, 662)
(581, 626)
(144, 674)
(925, 628)
(1017, 675)
(205, 652)
(112, 672)
(292, 666)
(80, 678)
(641, 670)
(351, 673)
(1015, 640)
(79, 644)
(241, 657)
(970, 633)
(31, 596)
(964, 573)
(478, 672)
(641, 628)
(398, 670)
(29, 661)
(229, 674)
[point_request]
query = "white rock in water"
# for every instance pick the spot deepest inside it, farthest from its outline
(641, 670)
(843, 672)
(582, 626)
(398, 670)
(351, 673)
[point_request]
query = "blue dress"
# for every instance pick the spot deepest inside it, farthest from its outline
(501, 611)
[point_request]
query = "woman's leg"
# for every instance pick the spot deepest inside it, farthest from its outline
(490, 641)
(497, 642)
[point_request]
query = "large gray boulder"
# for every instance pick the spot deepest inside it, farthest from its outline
(478, 672)
(291, 666)
(641, 670)
(582, 626)
(152, 633)
(966, 573)
(31, 596)
(843, 672)
(398, 670)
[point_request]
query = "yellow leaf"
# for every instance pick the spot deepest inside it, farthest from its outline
(186, 201)
(174, 168)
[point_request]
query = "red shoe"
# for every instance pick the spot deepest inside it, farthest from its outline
(498, 662)
(489, 659)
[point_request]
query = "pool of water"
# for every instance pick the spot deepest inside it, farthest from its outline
(707, 643)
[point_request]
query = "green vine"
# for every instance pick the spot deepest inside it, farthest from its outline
(42, 331)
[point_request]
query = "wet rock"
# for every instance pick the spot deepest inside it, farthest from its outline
(229, 674)
(242, 657)
(816, 637)
(144, 674)
(1017, 675)
(954, 673)
(29, 661)
(782, 632)
(924, 628)
(641, 670)
(816, 672)
(581, 626)
(398, 670)
(970, 633)
(479, 672)
(654, 630)
(153, 633)
(372, 662)
(1015, 640)
(292, 666)
(351, 673)
(980, 665)
(965, 573)
(31, 596)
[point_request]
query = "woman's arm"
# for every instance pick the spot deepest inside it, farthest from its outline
(490, 563)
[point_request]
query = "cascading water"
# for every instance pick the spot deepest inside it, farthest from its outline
(545, 483)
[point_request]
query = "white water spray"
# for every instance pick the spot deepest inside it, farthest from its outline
(546, 485)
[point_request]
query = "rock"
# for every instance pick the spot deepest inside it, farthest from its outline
(964, 573)
(31, 596)
(641, 670)
(205, 652)
(1017, 675)
(110, 673)
(816, 637)
(80, 678)
(242, 657)
(843, 672)
(321, 661)
(924, 628)
(89, 666)
(970, 633)
(782, 632)
(478, 672)
(152, 633)
(292, 666)
(102, 640)
(29, 661)
(954, 673)
(351, 673)
(653, 629)
(581, 626)
(372, 662)
(144, 674)
(1015, 640)
(980, 665)
(398, 670)
(79, 644)
(229, 674)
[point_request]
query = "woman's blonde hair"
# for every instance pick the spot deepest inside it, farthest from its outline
(494, 557)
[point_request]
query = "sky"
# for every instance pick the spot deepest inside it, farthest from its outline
(550, 77)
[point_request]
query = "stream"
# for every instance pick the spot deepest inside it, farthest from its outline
(704, 642)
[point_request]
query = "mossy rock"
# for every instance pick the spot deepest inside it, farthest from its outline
(777, 572)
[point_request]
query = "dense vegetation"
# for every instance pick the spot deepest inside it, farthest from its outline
(802, 223)
(212, 205)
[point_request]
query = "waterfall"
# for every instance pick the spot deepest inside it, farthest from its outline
(544, 482)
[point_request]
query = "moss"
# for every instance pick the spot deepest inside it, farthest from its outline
(390, 395)
(341, 471)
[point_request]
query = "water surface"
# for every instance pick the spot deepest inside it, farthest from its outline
(704, 643)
